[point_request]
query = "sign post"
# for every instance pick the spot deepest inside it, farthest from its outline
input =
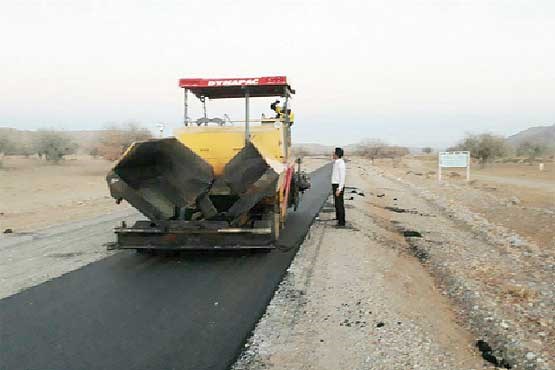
(453, 160)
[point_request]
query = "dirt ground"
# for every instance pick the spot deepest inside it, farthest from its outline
(353, 299)
(416, 282)
(368, 297)
(48, 203)
(35, 194)
(513, 195)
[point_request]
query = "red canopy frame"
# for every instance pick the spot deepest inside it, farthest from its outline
(224, 88)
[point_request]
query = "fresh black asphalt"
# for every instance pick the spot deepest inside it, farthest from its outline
(129, 311)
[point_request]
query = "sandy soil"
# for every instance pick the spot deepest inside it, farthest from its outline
(66, 211)
(35, 194)
(516, 196)
(29, 259)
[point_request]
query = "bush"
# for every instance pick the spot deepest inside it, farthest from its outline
(531, 150)
(427, 150)
(6, 146)
(24, 149)
(94, 152)
(371, 148)
(376, 149)
(116, 139)
(53, 145)
(484, 147)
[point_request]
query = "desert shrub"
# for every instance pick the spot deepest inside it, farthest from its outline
(24, 149)
(484, 147)
(12, 147)
(371, 148)
(427, 150)
(6, 146)
(116, 139)
(377, 149)
(94, 152)
(531, 150)
(53, 145)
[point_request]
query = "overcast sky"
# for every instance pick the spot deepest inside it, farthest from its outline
(415, 72)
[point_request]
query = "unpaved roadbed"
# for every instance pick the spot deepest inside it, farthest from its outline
(502, 283)
(411, 286)
(29, 259)
(353, 299)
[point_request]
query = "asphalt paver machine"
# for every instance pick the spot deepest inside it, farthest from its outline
(217, 184)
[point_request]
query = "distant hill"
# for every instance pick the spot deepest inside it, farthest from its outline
(544, 135)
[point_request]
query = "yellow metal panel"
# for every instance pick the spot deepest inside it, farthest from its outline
(218, 145)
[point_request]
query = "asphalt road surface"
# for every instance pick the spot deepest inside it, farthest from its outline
(129, 311)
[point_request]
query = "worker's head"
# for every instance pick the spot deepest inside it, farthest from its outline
(274, 105)
(338, 153)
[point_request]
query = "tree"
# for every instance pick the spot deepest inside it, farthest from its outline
(375, 149)
(116, 139)
(484, 147)
(371, 148)
(6, 146)
(427, 150)
(531, 150)
(94, 152)
(22, 148)
(53, 145)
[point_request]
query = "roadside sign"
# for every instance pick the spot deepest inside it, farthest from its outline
(454, 160)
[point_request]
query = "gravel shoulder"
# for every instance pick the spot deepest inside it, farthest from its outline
(501, 282)
(515, 197)
(356, 298)
(420, 281)
(35, 194)
(29, 259)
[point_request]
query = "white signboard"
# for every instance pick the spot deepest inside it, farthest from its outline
(454, 160)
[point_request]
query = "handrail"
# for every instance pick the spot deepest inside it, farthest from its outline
(255, 120)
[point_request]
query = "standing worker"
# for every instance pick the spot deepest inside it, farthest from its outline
(276, 108)
(338, 186)
(280, 112)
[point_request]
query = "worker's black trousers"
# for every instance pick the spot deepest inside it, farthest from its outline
(339, 205)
